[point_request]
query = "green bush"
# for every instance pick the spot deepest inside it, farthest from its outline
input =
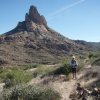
(14, 76)
(98, 84)
(26, 67)
(43, 70)
(64, 69)
(96, 62)
(94, 55)
(24, 92)
(91, 56)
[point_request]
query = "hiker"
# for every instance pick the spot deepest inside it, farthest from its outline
(74, 65)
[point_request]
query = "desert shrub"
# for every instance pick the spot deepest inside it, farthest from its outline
(91, 55)
(94, 55)
(26, 67)
(96, 62)
(64, 69)
(3, 61)
(43, 70)
(81, 65)
(14, 76)
(25, 92)
(98, 83)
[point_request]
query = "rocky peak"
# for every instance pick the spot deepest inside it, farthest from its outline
(33, 21)
(35, 17)
(33, 9)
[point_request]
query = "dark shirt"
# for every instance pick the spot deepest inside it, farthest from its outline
(73, 63)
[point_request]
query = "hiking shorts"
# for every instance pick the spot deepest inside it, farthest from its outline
(73, 70)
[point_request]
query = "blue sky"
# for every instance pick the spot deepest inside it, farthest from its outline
(75, 19)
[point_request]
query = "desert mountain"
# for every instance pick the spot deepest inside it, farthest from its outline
(32, 41)
(95, 46)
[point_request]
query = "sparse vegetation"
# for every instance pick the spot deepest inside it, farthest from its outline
(81, 64)
(96, 62)
(93, 55)
(26, 67)
(25, 92)
(13, 76)
(94, 58)
(64, 69)
(43, 70)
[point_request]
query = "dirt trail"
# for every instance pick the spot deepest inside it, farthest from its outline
(1, 86)
(65, 88)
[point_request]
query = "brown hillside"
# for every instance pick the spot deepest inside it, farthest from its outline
(32, 41)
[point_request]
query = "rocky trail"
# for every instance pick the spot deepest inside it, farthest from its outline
(65, 88)
(58, 83)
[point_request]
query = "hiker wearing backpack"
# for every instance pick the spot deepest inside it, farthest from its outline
(74, 65)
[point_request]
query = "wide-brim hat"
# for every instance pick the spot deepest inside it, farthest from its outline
(73, 57)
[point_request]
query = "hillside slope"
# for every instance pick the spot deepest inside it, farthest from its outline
(32, 42)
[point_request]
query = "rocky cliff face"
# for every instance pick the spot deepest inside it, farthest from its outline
(35, 16)
(32, 41)
(32, 21)
(32, 18)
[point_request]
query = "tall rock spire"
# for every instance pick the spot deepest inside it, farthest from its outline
(35, 17)
(33, 20)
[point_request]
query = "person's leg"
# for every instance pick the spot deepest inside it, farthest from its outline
(73, 72)
(75, 75)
